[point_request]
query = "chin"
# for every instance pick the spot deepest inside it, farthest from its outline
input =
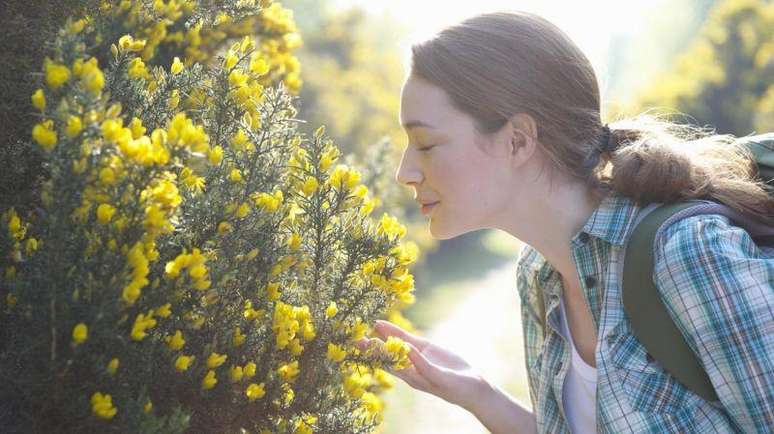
(439, 232)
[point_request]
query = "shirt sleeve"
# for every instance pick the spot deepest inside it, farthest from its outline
(718, 287)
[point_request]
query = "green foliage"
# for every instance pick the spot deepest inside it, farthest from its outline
(195, 260)
(26, 28)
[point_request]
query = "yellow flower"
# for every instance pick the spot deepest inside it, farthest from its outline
(215, 155)
(141, 323)
(238, 338)
(383, 378)
(390, 227)
(289, 371)
(128, 43)
(243, 210)
(328, 158)
(235, 175)
(184, 362)
(177, 66)
(267, 201)
(91, 76)
(215, 360)
(237, 78)
(56, 74)
(371, 404)
(310, 186)
(335, 352)
(175, 341)
(80, 333)
(137, 69)
(249, 369)
(235, 373)
(398, 350)
(39, 100)
(107, 176)
(331, 310)
(272, 291)
(197, 271)
(230, 60)
(295, 347)
(73, 127)
(30, 246)
(344, 176)
(102, 406)
(105, 212)
(136, 127)
(112, 367)
(164, 310)
(43, 133)
(255, 391)
(258, 65)
(294, 242)
(209, 380)
(360, 191)
(223, 227)
(174, 99)
(10, 299)
(148, 407)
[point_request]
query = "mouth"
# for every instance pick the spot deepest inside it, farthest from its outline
(426, 208)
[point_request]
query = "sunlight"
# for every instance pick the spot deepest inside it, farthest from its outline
(591, 24)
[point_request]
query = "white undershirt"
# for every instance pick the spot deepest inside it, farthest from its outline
(580, 387)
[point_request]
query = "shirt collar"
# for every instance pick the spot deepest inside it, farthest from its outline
(611, 221)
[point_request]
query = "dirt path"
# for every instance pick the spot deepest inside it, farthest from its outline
(484, 328)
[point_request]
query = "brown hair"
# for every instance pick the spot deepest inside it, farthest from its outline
(495, 65)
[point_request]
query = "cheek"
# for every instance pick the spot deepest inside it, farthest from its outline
(468, 181)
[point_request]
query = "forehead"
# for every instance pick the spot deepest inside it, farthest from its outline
(423, 104)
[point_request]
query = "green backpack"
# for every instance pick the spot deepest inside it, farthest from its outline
(650, 321)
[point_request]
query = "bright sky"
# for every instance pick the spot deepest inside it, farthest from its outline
(590, 23)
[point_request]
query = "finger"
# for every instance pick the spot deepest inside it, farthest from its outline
(386, 328)
(366, 343)
(427, 369)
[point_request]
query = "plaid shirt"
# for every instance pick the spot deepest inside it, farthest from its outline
(718, 287)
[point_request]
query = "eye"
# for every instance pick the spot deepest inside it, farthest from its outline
(426, 148)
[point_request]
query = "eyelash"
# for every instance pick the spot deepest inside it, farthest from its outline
(426, 148)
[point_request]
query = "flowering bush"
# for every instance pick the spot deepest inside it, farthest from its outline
(197, 263)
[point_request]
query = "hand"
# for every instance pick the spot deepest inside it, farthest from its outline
(435, 370)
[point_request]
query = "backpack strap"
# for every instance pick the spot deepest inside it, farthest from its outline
(762, 149)
(649, 318)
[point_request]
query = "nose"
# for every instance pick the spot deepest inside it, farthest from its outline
(407, 173)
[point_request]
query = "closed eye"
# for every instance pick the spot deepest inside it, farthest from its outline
(426, 148)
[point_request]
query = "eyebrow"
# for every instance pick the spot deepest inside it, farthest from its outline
(416, 124)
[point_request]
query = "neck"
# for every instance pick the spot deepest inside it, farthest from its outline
(549, 219)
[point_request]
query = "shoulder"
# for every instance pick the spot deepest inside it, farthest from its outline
(705, 265)
(700, 238)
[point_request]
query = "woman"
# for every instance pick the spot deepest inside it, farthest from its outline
(503, 117)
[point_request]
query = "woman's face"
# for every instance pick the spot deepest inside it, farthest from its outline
(445, 162)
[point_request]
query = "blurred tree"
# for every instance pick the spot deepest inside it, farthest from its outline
(726, 77)
(637, 55)
(352, 80)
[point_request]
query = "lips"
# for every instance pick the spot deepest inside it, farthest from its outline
(427, 207)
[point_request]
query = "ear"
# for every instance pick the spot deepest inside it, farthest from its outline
(523, 136)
